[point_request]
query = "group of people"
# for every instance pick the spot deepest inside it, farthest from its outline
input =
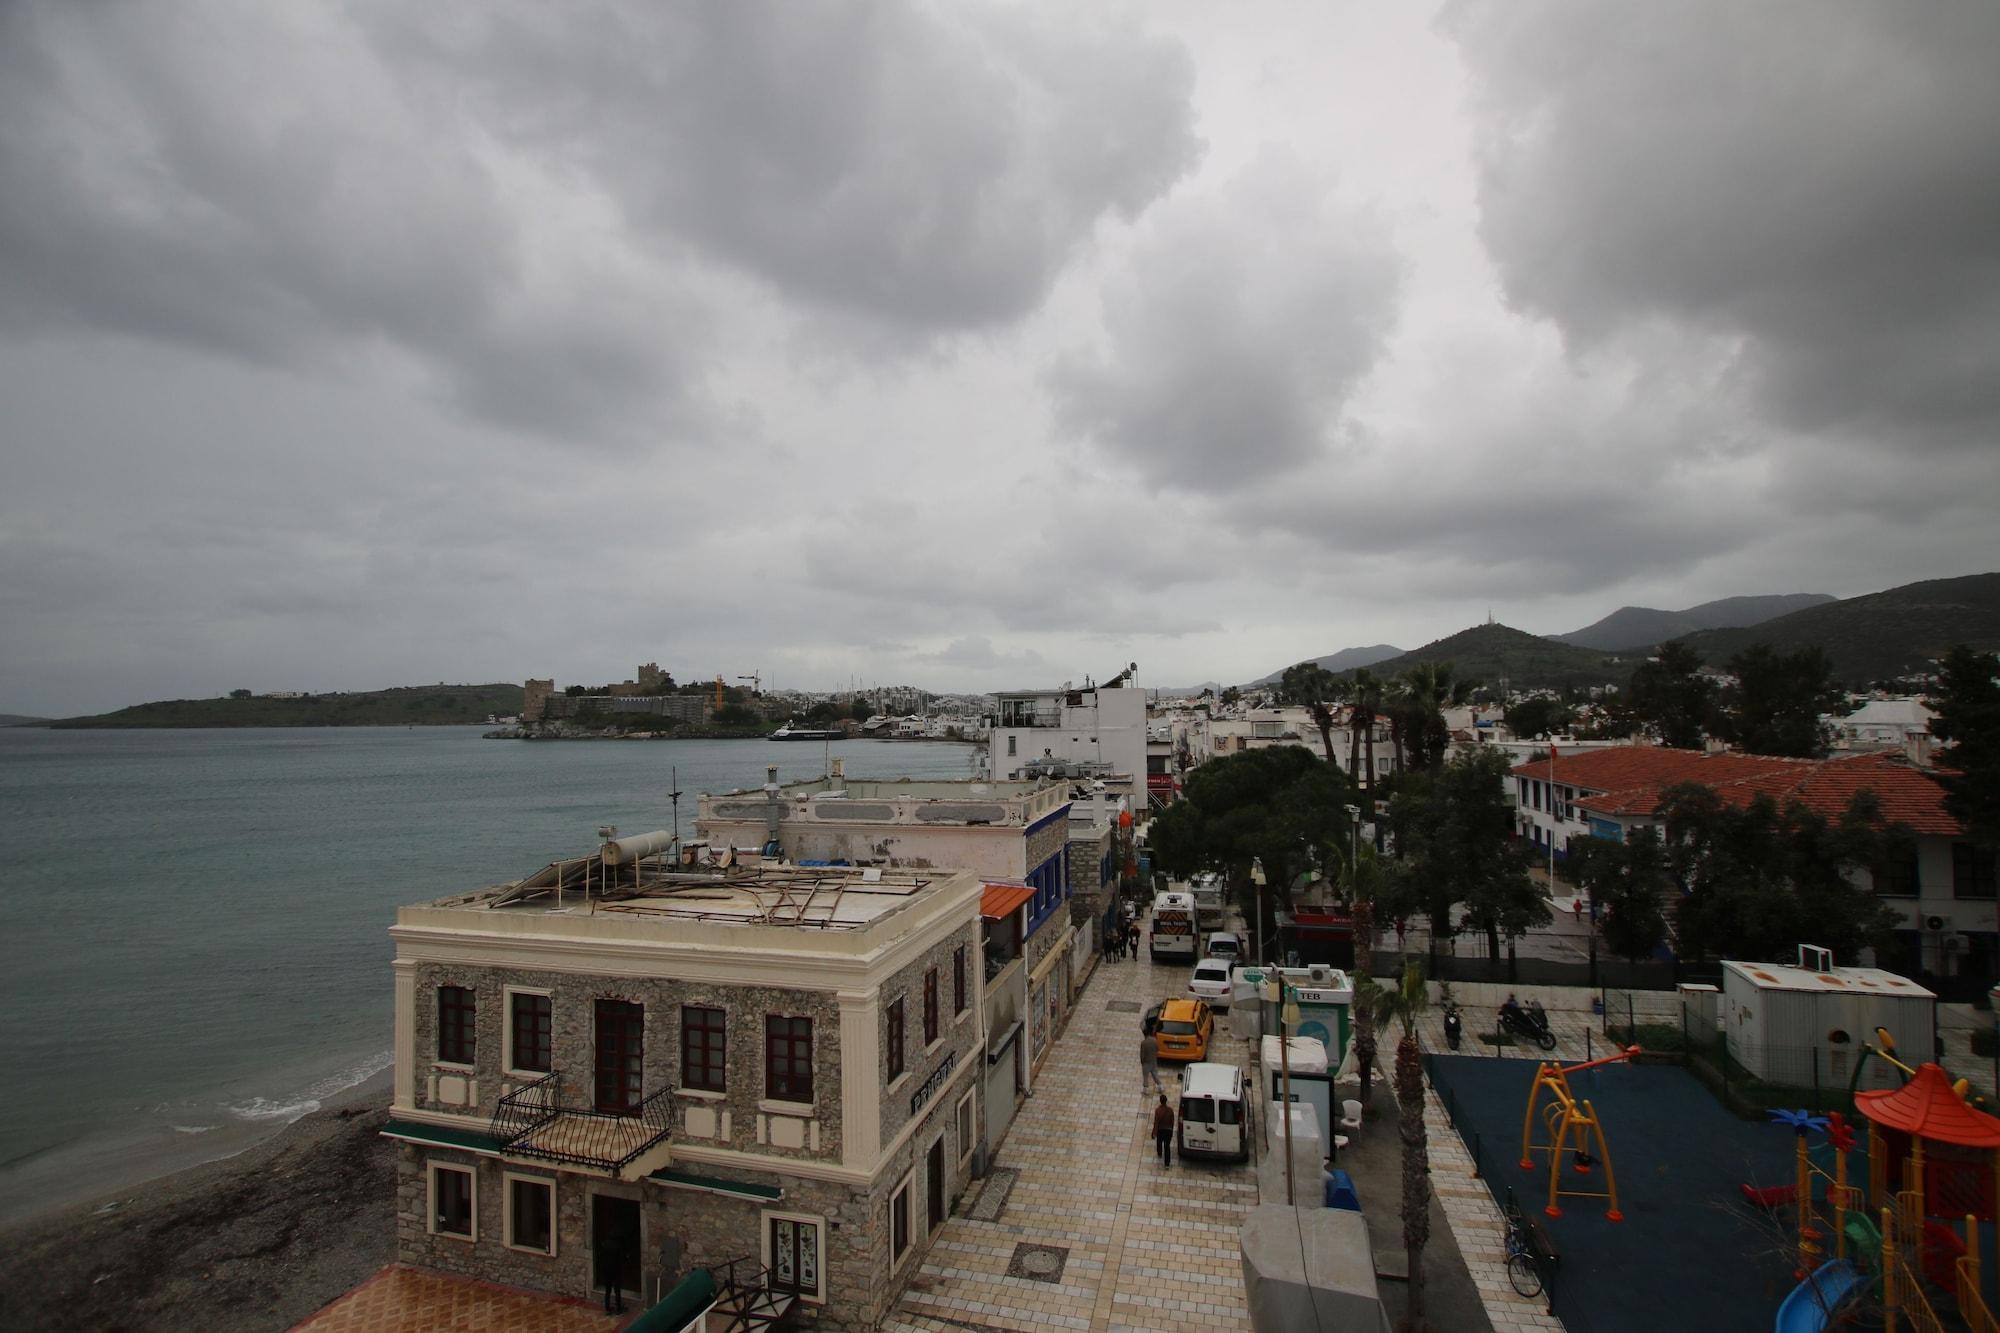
(1121, 940)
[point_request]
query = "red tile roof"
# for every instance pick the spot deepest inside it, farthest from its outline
(1628, 780)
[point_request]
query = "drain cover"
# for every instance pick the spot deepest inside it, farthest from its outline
(1038, 1263)
(999, 1184)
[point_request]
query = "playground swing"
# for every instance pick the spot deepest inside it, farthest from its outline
(1571, 1126)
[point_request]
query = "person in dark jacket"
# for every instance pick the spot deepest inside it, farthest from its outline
(1163, 1131)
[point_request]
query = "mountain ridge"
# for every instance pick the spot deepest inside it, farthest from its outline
(1632, 627)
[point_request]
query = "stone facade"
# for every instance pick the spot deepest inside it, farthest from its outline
(730, 1119)
(535, 699)
(958, 1034)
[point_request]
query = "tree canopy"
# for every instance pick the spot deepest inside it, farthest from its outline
(1777, 701)
(1967, 704)
(1627, 882)
(1317, 690)
(1454, 828)
(1538, 716)
(1760, 879)
(1280, 806)
(1671, 698)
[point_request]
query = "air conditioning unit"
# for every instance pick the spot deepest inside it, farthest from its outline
(1935, 922)
(1956, 943)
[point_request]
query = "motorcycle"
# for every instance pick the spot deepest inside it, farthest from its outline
(1454, 1026)
(1530, 1023)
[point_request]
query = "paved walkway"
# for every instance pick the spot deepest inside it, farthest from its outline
(1139, 1246)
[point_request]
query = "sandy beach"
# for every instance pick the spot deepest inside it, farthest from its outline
(256, 1241)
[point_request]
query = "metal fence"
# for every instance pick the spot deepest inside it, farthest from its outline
(1538, 958)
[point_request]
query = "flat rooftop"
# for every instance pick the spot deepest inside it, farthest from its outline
(881, 789)
(758, 893)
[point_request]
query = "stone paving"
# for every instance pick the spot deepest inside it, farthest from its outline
(1147, 1247)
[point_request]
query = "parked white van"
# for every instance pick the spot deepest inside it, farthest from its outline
(1214, 1117)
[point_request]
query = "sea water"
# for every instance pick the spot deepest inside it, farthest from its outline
(194, 941)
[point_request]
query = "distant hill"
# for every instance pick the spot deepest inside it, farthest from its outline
(19, 720)
(1642, 627)
(1880, 636)
(412, 705)
(1347, 659)
(1491, 653)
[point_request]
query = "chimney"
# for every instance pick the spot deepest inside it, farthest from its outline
(1917, 747)
(773, 812)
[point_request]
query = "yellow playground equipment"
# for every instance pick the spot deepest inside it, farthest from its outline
(1570, 1126)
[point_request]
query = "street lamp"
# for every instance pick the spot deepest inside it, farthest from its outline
(1279, 994)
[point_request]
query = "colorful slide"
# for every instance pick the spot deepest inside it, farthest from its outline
(1814, 1300)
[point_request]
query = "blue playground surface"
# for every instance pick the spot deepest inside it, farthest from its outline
(1689, 1254)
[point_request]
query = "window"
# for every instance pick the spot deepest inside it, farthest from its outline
(1897, 877)
(1010, 747)
(899, 1223)
(896, 1039)
(704, 1048)
(794, 1254)
(621, 1055)
(930, 1006)
(1973, 873)
(531, 1211)
(452, 1211)
(965, 1129)
(458, 1024)
(958, 981)
(528, 1022)
(788, 1059)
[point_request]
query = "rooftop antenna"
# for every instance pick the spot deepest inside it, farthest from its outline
(675, 797)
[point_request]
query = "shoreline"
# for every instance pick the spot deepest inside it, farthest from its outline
(256, 1239)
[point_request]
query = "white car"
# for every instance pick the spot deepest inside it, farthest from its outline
(1210, 982)
(1223, 944)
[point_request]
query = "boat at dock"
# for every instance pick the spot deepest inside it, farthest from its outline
(791, 731)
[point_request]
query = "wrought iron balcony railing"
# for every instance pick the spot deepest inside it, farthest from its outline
(532, 1121)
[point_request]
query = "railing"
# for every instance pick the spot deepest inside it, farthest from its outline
(745, 1297)
(1972, 1307)
(531, 1121)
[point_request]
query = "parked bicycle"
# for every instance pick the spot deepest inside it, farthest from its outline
(1522, 1270)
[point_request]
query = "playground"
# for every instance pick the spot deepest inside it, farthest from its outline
(1690, 1251)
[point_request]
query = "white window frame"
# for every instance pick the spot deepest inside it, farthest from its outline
(431, 1169)
(906, 1191)
(507, 1179)
(966, 1118)
(507, 994)
(818, 1297)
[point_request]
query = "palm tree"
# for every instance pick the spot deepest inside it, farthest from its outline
(1316, 689)
(1404, 1006)
(1364, 692)
(1364, 879)
(1432, 687)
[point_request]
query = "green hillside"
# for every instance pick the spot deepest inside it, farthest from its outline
(412, 705)
(1880, 636)
(1491, 653)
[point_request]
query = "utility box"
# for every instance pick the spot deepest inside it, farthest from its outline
(1803, 1025)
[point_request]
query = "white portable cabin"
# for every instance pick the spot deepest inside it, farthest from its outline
(1312, 1081)
(1801, 1024)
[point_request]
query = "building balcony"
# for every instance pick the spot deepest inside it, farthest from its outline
(533, 1124)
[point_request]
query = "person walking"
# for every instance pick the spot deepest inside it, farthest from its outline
(1149, 1060)
(1132, 941)
(1163, 1131)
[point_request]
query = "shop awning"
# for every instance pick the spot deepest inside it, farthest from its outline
(442, 1136)
(735, 1189)
(998, 1046)
(1001, 901)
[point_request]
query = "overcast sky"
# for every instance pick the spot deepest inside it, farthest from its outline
(966, 345)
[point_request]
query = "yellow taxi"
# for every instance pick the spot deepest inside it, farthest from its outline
(1183, 1030)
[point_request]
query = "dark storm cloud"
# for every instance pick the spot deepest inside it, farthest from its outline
(930, 168)
(1820, 180)
(1234, 334)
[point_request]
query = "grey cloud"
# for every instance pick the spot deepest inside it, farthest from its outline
(1234, 335)
(929, 168)
(976, 652)
(280, 197)
(1820, 181)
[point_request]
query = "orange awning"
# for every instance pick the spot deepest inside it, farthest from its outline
(1928, 1108)
(1000, 901)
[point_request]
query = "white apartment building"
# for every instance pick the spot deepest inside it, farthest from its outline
(1101, 725)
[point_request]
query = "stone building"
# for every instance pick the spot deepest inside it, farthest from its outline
(535, 696)
(1014, 835)
(626, 1065)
